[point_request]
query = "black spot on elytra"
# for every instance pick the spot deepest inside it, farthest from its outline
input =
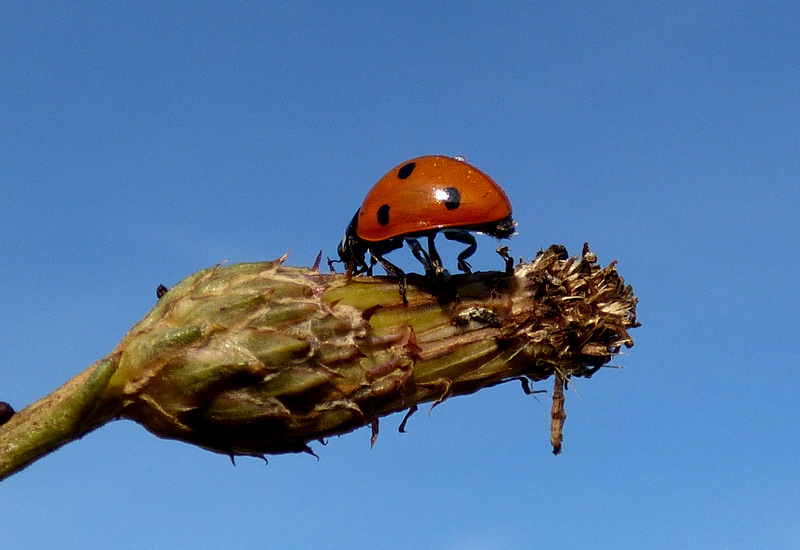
(406, 170)
(383, 214)
(453, 199)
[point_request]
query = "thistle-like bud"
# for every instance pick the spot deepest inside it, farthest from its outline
(262, 358)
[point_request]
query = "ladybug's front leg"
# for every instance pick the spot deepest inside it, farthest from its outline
(463, 237)
(394, 271)
(377, 250)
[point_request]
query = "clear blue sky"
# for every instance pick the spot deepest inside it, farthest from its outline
(141, 143)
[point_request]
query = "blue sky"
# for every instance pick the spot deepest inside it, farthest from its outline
(143, 142)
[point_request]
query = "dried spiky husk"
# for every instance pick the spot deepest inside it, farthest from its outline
(262, 358)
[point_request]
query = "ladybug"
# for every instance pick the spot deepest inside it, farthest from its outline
(421, 198)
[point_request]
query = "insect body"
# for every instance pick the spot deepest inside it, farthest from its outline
(421, 198)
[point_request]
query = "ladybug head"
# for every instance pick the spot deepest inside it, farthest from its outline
(352, 249)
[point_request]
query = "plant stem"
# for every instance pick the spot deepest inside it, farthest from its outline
(65, 415)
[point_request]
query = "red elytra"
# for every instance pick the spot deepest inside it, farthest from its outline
(421, 198)
(432, 192)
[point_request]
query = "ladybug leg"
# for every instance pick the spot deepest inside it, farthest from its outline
(356, 265)
(439, 271)
(434, 269)
(420, 254)
(430, 260)
(467, 238)
(368, 268)
(394, 271)
(376, 253)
